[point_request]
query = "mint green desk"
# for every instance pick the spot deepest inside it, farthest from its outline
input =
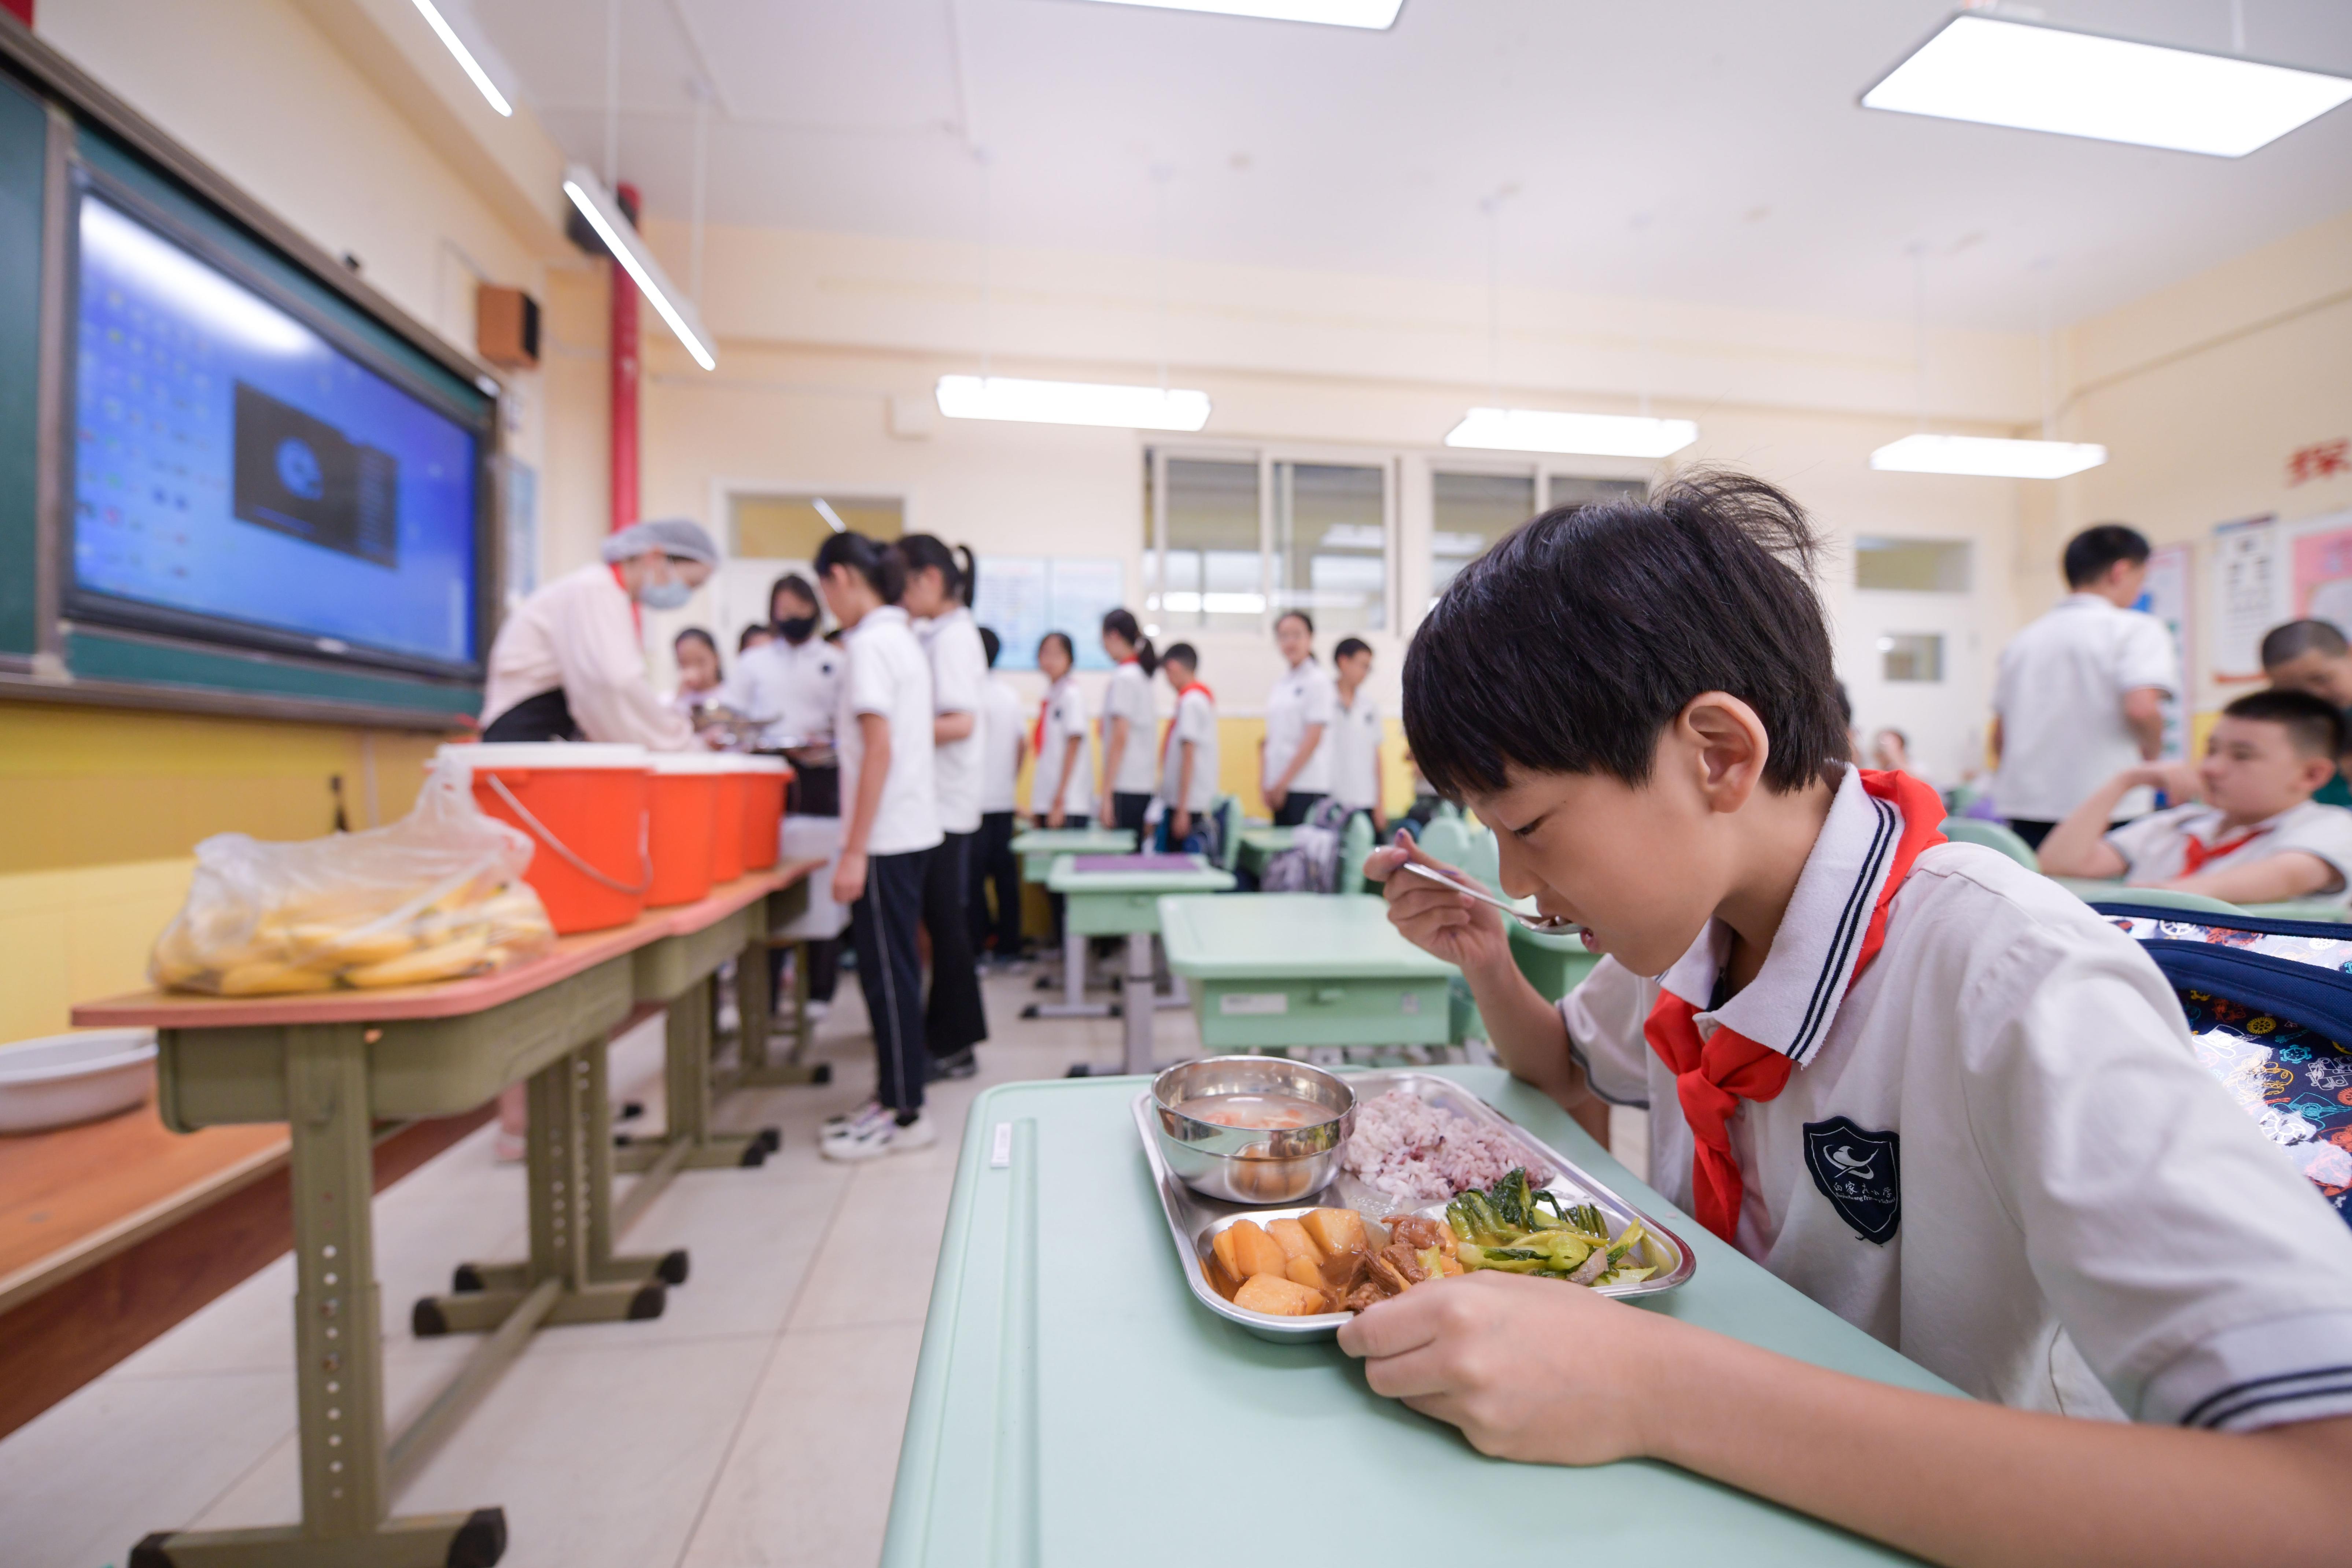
(1075, 1405)
(1127, 903)
(2092, 890)
(1039, 848)
(1269, 971)
(1260, 845)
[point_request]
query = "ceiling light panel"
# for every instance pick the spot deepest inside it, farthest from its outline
(1071, 402)
(464, 57)
(1579, 435)
(1376, 14)
(620, 237)
(1988, 458)
(2033, 77)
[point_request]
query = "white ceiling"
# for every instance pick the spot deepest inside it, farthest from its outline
(1706, 149)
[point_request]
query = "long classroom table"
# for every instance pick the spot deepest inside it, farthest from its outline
(333, 1065)
(1074, 1405)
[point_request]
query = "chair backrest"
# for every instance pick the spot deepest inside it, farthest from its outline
(1992, 836)
(1227, 810)
(1482, 858)
(2269, 1004)
(1356, 843)
(1446, 839)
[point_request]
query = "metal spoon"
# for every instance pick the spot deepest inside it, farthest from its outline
(1549, 925)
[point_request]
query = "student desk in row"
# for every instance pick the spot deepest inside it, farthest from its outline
(1273, 971)
(1074, 1405)
(335, 1064)
(1039, 848)
(1120, 895)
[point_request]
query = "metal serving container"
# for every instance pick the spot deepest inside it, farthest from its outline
(1251, 1165)
(1194, 1219)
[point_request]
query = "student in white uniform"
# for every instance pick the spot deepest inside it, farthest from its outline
(2079, 694)
(938, 595)
(1060, 786)
(570, 663)
(891, 812)
(2254, 836)
(1295, 760)
(1355, 735)
(1130, 724)
(994, 866)
(1932, 1090)
(1188, 759)
(696, 652)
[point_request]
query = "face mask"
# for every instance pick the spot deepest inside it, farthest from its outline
(798, 629)
(665, 595)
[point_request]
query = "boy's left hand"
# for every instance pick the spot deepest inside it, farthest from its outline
(1533, 1369)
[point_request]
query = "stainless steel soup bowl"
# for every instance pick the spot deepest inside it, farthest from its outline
(1252, 1165)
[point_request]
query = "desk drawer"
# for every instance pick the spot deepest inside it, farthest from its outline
(1239, 1014)
(1112, 914)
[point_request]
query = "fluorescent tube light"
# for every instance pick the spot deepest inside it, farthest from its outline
(473, 67)
(1071, 402)
(832, 518)
(1986, 455)
(1997, 72)
(603, 214)
(1376, 14)
(1583, 434)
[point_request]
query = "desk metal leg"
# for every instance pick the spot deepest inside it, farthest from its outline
(1073, 1003)
(339, 1352)
(1139, 1010)
(687, 1066)
(754, 1006)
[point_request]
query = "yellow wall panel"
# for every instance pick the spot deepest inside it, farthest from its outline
(71, 935)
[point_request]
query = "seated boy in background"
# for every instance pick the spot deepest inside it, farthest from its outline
(2252, 835)
(2312, 656)
(1928, 1088)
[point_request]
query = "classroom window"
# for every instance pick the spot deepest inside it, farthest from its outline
(791, 527)
(1330, 545)
(1215, 575)
(1911, 656)
(1570, 490)
(1468, 513)
(1911, 566)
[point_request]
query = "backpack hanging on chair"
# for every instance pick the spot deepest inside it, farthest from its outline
(2270, 1011)
(1311, 864)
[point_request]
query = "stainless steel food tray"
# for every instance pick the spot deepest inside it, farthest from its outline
(1193, 1219)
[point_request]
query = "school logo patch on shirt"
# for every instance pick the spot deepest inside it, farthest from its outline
(1860, 1174)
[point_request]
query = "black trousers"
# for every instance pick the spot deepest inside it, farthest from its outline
(954, 1020)
(993, 865)
(1294, 807)
(882, 924)
(1128, 811)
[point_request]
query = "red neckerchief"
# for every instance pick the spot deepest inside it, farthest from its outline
(2198, 855)
(636, 615)
(1170, 733)
(1712, 1077)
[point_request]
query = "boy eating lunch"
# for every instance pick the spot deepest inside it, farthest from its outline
(1932, 1090)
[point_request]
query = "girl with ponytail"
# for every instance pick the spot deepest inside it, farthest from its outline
(1130, 720)
(939, 592)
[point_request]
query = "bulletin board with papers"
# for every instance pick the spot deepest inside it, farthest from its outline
(1023, 597)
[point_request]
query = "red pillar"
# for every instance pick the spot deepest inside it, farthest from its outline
(623, 358)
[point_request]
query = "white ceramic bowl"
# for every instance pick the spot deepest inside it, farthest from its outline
(64, 1079)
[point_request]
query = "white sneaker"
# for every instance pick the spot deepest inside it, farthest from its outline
(817, 1010)
(848, 1122)
(882, 1136)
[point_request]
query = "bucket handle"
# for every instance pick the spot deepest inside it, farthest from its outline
(539, 830)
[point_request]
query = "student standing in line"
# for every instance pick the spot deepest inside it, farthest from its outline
(882, 729)
(939, 593)
(1294, 760)
(696, 654)
(759, 634)
(1929, 1088)
(2080, 695)
(1355, 735)
(1060, 781)
(1130, 720)
(1006, 742)
(2312, 656)
(1188, 759)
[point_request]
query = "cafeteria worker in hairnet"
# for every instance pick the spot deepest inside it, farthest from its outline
(570, 663)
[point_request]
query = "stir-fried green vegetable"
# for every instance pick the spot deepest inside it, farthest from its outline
(1519, 1230)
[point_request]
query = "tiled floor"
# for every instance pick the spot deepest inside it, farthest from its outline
(756, 1422)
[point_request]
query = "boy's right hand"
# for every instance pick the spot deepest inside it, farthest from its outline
(1455, 927)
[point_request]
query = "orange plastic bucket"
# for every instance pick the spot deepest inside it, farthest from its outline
(763, 809)
(727, 831)
(687, 787)
(584, 807)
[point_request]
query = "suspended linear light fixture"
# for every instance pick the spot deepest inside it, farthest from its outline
(1996, 70)
(620, 237)
(1376, 14)
(466, 58)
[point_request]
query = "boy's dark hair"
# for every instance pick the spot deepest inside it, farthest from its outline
(2312, 725)
(1349, 647)
(991, 644)
(1183, 653)
(695, 634)
(2090, 552)
(1572, 644)
(2284, 645)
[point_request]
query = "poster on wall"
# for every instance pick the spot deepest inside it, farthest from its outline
(2319, 567)
(2168, 597)
(1023, 597)
(2246, 597)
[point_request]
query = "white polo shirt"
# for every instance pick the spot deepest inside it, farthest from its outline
(1355, 742)
(1064, 718)
(999, 757)
(1195, 720)
(889, 674)
(790, 692)
(2059, 694)
(959, 674)
(2043, 1196)
(1303, 697)
(1128, 697)
(2156, 848)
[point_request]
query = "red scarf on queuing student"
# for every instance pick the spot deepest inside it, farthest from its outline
(1711, 1077)
(1169, 733)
